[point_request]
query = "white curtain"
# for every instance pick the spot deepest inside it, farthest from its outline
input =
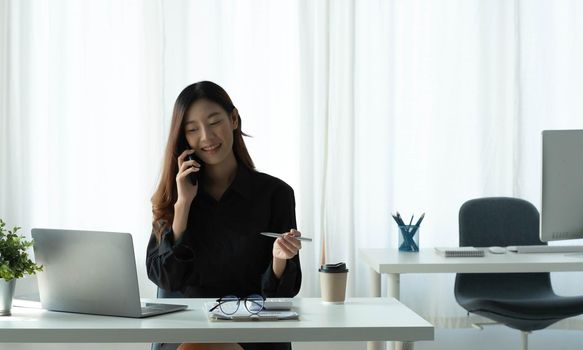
(82, 116)
(364, 107)
(420, 106)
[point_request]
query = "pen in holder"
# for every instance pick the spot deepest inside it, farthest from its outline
(408, 234)
(409, 238)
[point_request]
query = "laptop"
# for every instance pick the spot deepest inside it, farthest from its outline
(91, 272)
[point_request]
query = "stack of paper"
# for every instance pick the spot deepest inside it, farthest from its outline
(459, 251)
(243, 315)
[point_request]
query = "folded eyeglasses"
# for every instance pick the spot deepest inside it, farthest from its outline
(230, 304)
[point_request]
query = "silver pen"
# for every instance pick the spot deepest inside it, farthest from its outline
(277, 235)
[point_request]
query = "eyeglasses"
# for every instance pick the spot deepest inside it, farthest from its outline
(230, 304)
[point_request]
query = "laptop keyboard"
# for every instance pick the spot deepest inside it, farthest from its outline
(525, 249)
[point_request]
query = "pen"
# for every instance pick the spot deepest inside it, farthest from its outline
(400, 222)
(277, 235)
(396, 219)
(416, 227)
(420, 219)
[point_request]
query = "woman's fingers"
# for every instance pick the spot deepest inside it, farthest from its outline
(182, 161)
(187, 172)
(183, 156)
(290, 245)
(286, 248)
(186, 189)
(187, 165)
(295, 232)
(290, 237)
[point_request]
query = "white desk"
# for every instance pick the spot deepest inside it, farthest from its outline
(393, 264)
(359, 319)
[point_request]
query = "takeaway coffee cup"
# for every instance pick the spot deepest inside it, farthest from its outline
(333, 282)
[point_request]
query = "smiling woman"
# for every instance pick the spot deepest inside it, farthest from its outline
(206, 238)
(204, 105)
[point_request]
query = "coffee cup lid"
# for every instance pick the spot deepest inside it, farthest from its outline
(334, 268)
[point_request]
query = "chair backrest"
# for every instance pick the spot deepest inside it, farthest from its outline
(504, 297)
(498, 221)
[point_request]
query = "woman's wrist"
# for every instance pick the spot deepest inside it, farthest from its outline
(278, 266)
(181, 204)
(181, 211)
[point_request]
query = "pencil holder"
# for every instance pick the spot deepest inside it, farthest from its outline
(409, 238)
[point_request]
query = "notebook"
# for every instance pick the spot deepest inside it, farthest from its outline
(276, 312)
(91, 272)
(459, 251)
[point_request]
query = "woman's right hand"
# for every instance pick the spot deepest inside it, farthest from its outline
(186, 190)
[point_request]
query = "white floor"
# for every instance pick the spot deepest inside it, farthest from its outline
(492, 337)
(502, 338)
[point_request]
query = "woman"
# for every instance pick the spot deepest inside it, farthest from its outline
(205, 241)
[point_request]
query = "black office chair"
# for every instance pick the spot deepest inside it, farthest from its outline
(163, 293)
(523, 301)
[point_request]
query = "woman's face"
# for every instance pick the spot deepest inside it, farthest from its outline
(209, 131)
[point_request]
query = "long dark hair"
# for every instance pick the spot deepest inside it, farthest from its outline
(166, 194)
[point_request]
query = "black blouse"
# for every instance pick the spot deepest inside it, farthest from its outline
(221, 252)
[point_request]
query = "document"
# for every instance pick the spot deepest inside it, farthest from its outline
(243, 315)
(459, 251)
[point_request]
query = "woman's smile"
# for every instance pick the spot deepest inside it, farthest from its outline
(212, 149)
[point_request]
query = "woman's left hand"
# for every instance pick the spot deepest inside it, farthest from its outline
(286, 246)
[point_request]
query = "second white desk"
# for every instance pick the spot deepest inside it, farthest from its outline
(394, 263)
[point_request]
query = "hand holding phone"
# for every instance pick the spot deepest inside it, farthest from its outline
(194, 175)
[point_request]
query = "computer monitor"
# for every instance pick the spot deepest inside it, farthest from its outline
(562, 185)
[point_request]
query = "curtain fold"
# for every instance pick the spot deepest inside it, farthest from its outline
(4, 71)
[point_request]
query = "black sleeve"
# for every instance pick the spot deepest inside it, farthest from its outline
(168, 263)
(283, 219)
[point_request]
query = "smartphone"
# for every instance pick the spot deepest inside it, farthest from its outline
(194, 176)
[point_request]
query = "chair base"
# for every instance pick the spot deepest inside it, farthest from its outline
(523, 334)
(524, 340)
